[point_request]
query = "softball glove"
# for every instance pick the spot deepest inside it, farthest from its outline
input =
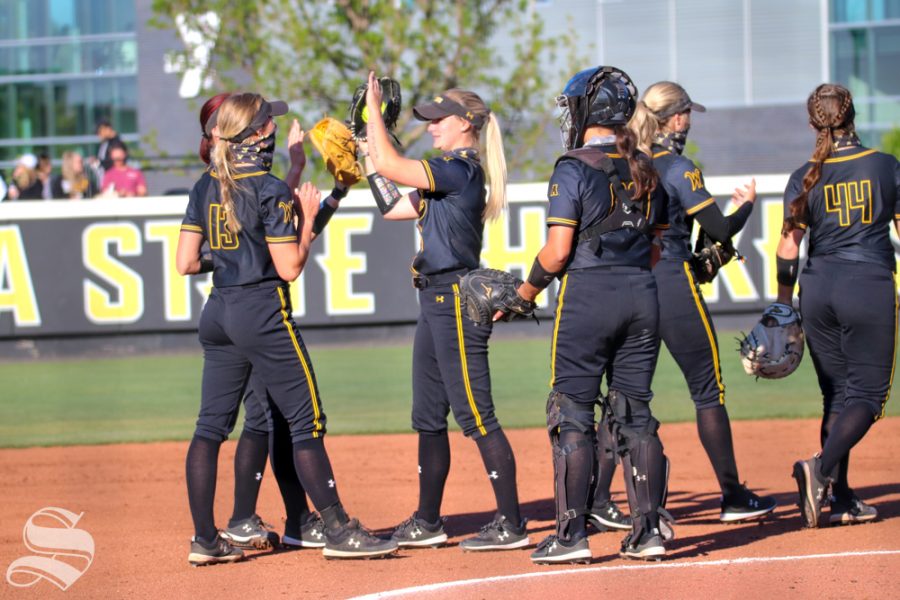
(774, 347)
(390, 107)
(485, 291)
(709, 256)
(335, 143)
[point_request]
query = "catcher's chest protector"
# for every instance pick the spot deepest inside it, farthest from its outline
(626, 213)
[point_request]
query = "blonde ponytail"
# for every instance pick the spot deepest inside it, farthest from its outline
(222, 160)
(658, 99)
(495, 165)
(495, 159)
(645, 126)
(233, 117)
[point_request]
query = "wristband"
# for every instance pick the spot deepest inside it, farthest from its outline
(206, 265)
(540, 277)
(339, 193)
(786, 270)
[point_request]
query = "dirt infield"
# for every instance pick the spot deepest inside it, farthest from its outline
(134, 502)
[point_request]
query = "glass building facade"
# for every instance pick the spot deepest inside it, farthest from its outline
(865, 54)
(65, 64)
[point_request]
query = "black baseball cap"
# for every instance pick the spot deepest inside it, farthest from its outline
(266, 110)
(442, 106)
(683, 104)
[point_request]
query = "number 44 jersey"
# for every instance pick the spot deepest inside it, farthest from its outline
(850, 209)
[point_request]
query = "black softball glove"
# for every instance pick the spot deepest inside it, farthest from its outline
(709, 256)
(390, 107)
(485, 291)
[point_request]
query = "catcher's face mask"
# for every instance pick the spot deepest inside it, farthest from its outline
(599, 96)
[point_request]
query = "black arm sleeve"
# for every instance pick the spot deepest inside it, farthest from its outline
(327, 208)
(718, 226)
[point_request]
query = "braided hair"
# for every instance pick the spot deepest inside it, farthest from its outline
(831, 113)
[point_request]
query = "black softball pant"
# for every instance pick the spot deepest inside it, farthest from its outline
(450, 367)
(687, 330)
(849, 312)
(250, 328)
(606, 322)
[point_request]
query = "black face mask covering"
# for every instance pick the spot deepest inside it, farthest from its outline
(673, 141)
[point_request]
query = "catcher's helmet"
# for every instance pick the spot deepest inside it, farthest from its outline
(597, 96)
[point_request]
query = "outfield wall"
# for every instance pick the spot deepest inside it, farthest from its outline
(107, 266)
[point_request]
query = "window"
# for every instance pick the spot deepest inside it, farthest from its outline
(64, 64)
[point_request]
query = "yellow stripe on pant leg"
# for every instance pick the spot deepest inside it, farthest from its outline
(309, 379)
(709, 333)
(463, 362)
(559, 305)
(893, 359)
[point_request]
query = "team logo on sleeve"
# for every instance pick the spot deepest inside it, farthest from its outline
(288, 209)
(554, 190)
(696, 179)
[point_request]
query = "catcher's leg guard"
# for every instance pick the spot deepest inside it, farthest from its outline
(645, 465)
(564, 414)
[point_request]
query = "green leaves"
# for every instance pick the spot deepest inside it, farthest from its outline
(314, 54)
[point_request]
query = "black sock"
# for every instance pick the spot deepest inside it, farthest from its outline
(715, 435)
(579, 467)
(500, 464)
(605, 467)
(249, 466)
(434, 466)
(840, 489)
(315, 474)
(847, 429)
(200, 471)
(281, 455)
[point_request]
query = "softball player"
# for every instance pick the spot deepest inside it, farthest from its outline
(450, 354)
(603, 199)
(262, 426)
(846, 197)
(661, 122)
(246, 216)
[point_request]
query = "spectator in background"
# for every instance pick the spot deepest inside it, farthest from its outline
(74, 182)
(25, 182)
(120, 179)
(109, 138)
(45, 174)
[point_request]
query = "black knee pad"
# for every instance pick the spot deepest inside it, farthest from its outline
(565, 413)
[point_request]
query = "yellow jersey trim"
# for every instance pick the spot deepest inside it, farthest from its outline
(428, 174)
(663, 153)
(281, 239)
(462, 360)
(317, 425)
(666, 226)
(695, 209)
(893, 359)
(191, 228)
(846, 158)
(242, 175)
(559, 307)
(709, 333)
(561, 221)
(802, 226)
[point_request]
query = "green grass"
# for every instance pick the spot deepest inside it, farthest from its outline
(364, 390)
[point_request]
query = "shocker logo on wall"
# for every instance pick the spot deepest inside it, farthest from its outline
(61, 552)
